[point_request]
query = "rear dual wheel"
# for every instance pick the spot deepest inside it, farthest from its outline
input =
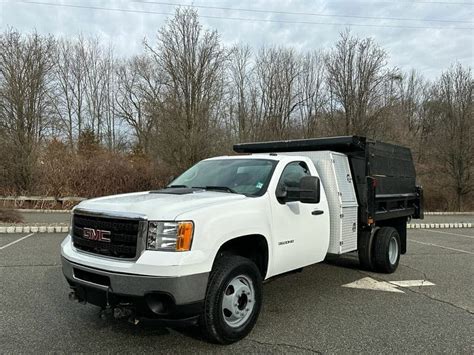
(387, 250)
(380, 250)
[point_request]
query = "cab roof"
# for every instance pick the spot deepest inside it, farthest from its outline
(267, 156)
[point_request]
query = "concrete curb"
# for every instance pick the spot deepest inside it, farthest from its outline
(439, 225)
(50, 228)
(447, 213)
(31, 210)
(61, 228)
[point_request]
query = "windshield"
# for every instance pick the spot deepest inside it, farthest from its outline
(244, 176)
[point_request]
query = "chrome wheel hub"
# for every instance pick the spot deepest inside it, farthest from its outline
(238, 301)
(393, 251)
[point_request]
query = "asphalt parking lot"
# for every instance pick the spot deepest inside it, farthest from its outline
(302, 313)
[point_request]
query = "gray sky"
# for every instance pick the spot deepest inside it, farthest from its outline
(410, 44)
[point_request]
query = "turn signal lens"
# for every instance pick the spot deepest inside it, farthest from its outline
(185, 236)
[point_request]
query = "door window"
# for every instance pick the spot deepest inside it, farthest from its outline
(292, 174)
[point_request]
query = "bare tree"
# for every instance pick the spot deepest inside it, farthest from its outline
(311, 92)
(139, 98)
(277, 71)
(412, 89)
(356, 72)
(412, 123)
(70, 87)
(454, 140)
(85, 89)
(193, 63)
(109, 90)
(242, 90)
(26, 64)
(98, 65)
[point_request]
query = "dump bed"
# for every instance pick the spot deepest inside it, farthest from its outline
(384, 174)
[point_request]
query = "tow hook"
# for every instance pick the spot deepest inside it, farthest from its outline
(74, 296)
(133, 320)
(121, 312)
(128, 313)
(105, 313)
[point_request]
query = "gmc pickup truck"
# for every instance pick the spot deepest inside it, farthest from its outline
(199, 249)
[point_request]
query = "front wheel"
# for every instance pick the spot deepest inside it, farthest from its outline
(233, 300)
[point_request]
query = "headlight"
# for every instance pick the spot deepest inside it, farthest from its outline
(174, 236)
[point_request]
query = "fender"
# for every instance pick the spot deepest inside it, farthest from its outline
(216, 225)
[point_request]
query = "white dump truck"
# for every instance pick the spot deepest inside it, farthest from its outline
(198, 250)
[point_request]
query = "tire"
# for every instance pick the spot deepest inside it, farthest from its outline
(364, 250)
(387, 250)
(233, 300)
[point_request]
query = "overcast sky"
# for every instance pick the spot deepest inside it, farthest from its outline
(427, 46)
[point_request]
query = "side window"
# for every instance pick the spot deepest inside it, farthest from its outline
(292, 174)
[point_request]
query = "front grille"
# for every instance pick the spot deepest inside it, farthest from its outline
(123, 235)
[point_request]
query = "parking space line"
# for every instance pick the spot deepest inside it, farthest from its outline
(16, 241)
(459, 235)
(440, 246)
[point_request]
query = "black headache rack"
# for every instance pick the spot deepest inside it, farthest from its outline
(384, 174)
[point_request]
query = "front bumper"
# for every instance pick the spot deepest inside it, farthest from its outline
(150, 296)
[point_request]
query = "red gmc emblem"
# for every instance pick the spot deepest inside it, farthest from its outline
(96, 234)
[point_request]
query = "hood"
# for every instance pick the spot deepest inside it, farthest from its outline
(158, 206)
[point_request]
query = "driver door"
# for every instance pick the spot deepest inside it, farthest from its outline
(300, 230)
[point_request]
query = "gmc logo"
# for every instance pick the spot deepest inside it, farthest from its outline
(96, 234)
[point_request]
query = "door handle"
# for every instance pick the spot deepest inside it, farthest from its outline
(317, 212)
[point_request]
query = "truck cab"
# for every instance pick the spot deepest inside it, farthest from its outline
(199, 249)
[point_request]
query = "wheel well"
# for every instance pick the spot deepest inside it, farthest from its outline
(253, 247)
(400, 224)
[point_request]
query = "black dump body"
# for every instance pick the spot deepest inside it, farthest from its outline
(384, 174)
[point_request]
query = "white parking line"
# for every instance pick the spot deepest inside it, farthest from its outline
(459, 235)
(16, 241)
(440, 246)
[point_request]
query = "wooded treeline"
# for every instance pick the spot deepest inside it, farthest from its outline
(77, 120)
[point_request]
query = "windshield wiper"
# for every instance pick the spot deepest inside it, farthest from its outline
(217, 188)
(177, 187)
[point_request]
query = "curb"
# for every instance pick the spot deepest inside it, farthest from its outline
(31, 210)
(447, 213)
(51, 228)
(58, 228)
(439, 225)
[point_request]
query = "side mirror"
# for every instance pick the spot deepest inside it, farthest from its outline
(310, 190)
